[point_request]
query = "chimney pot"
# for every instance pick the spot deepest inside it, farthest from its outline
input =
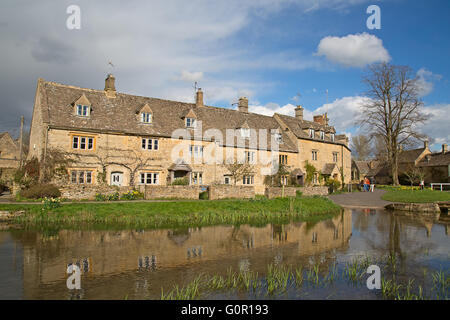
(444, 148)
(299, 112)
(243, 104)
(199, 98)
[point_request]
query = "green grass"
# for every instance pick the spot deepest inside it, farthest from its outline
(416, 196)
(178, 213)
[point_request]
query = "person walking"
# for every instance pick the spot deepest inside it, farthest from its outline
(366, 184)
(372, 184)
(422, 184)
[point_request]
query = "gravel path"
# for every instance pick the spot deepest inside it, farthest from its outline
(360, 199)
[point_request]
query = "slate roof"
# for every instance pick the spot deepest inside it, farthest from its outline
(362, 166)
(119, 115)
(410, 155)
(436, 159)
(328, 168)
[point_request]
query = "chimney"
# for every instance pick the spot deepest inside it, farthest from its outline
(425, 144)
(319, 119)
(444, 148)
(243, 104)
(299, 112)
(110, 87)
(110, 83)
(199, 98)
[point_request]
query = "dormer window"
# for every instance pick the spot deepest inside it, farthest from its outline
(146, 117)
(82, 111)
(191, 122)
(245, 133)
(311, 133)
(332, 137)
(278, 138)
(322, 135)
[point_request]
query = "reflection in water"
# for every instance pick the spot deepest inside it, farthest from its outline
(108, 259)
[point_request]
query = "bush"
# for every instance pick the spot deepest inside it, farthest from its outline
(333, 184)
(51, 203)
(100, 197)
(204, 195)
(39, 191)
(132, 195)
(180, 182)
(298, 194)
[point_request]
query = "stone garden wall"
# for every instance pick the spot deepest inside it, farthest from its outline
(84, 192)
(230, 192)
(170, 192)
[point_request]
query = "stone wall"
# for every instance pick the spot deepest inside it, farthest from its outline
(277, 192)
(170, 192)
(230, 191)
(85, 192)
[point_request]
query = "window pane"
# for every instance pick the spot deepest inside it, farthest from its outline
(144, 143)
(149, 147)
(90, 143)
(149, 178)
(155, 178)
(88, 177)
(155, 144)
(85, 110)
(81, 177)
(143, 178)
(74, 176)
(79, 110)
(83, 143)
(75, 143)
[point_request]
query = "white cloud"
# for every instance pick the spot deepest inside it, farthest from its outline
(190, 76)
(353, 50)
(425, 81)
(437, 126)
(270, 108)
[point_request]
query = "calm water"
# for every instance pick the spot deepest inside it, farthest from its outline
(137, 263)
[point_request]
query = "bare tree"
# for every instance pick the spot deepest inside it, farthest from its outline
(393, 110)
(238, 169)
(361, 147)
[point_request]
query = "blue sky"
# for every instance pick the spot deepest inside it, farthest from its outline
(267, 50)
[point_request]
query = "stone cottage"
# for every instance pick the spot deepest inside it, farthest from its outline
(127, 140)
(9, 157)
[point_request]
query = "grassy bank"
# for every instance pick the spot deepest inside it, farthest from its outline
(179, 213)
(412, 195)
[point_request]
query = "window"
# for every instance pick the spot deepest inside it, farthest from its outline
(316, 178)
(314, 155)
(311, 133)
(149, 178)
(191, 123)
(245, 133)
(314, 237)
(82, 143)
(81, 176)
(332, 137)
(82, 110)
(284, 180)
(197, 178)
(335, 157)
(249, 157)
(278, 138)
(150, 144)
(196, 151)
(146, 117)
(227, 180)
(322, 135)
(283, 159)
(248, 180)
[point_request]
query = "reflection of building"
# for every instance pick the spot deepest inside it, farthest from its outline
(112, 253)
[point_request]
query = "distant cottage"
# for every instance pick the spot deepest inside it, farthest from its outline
(127, 140)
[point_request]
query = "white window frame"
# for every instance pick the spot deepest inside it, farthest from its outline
(314, 154)
(196, 151)
(279, 138)
(149, 178)
(312, 133)
(197, 178)
(322, 135)
(248, 180)
(335, 156)
(88, 142)
(332, 137)
(227, 180)
(146, 117)
(283, 159)
(191, 122)
(249, 156)
(82, 110)
(81, 176)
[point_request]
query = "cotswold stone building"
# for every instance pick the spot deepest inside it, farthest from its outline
(9, 157)
(126, 140)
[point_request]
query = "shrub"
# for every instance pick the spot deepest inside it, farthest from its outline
(100, 197)
(298, 194)
(132, 195)
(204, 195)
(333, 184)
(180, 182)
(51, 203)
(113, 197)
(39, 191)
